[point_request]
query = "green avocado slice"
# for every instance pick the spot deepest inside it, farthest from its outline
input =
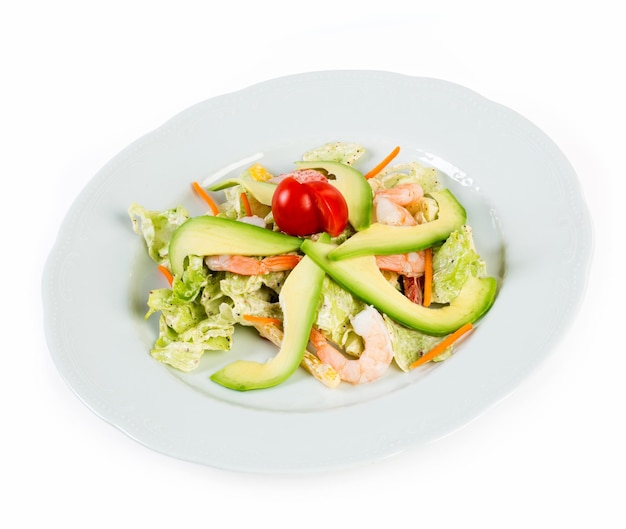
(262, 191)
(381, 239)
(354, 188)
(299, 299)
(207, 235)
(361, 277)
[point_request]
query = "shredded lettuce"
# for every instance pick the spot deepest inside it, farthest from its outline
(453, 263)
(193, 279)
(407, 173)
(333, 318)
(157, 227)
(183, 351)
(409, 344)
(346, 153)
(232, 207)
(251, 295)
(179, 315)
(201, 310)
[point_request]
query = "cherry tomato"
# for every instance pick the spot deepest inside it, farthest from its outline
(305, 208)
(332, 208)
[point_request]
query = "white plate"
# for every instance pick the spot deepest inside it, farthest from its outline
(523, 201)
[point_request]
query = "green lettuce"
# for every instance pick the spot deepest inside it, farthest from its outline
(410, 344)
(184, 351)
(252, 295)
(333, 318)
(193, 279)
(407, 173)
(454, 262)
(342, 152)
(157, 227)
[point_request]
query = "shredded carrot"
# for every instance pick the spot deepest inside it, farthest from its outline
(246, 204)
(167, 274)
(428, 276)
(442, 346)
(261, 319)
(383, 164)
(205, 196)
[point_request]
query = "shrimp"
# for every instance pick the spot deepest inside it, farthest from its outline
(407, 264)
(375, 358)
(389, 212)
(251, 266)
(301, 175)
(403, 194)
(322, 372)
(390, 209)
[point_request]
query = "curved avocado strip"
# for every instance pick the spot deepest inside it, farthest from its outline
(381, 239)
(361, 277)
(207, 235)
(262, 191)
(354, 188)
(299, 299)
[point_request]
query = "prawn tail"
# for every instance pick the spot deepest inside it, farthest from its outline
(279, 263)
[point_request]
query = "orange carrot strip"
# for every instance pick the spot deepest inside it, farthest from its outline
(205, 196)
(428, 276)
(261, 319)
(168, 275)
(383, 164)
(442, 346)
(246, 204)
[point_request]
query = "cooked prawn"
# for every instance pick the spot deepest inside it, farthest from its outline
(403, 194)
(251, 266)
(407, 264)
(391, 213)
(302, 176)
(375, 358)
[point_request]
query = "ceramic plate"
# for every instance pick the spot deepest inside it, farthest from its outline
(523, 202)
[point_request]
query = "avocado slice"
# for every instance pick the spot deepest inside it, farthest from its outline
(354, 188)
(207, 235)
(361, 277)
(381, 239)
(299, 299)
(262, 191)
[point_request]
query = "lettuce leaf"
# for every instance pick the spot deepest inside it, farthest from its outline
(453, 263)
(410, 344)
(342, 152)
(333, 318)
(192, 281)
(407, 173)
(251, 295)
(157, 227)
(184, 351)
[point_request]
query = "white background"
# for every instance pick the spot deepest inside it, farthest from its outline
(82, 80)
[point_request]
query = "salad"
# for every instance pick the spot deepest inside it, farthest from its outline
(349, 273)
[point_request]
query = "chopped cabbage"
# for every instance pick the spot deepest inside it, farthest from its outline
(453, 263)
(346, 153)
(407, 173)
(333, 318)
(409, 344)
(157, 227)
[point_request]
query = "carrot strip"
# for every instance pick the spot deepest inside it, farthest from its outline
(168, 275)
(442, 346)
(261, 319)
(205, 196)
(246, 204)
(428, 277)
(383, 164)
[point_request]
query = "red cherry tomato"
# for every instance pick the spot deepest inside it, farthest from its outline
(305, 208)
(332, 208)
(294, 208)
